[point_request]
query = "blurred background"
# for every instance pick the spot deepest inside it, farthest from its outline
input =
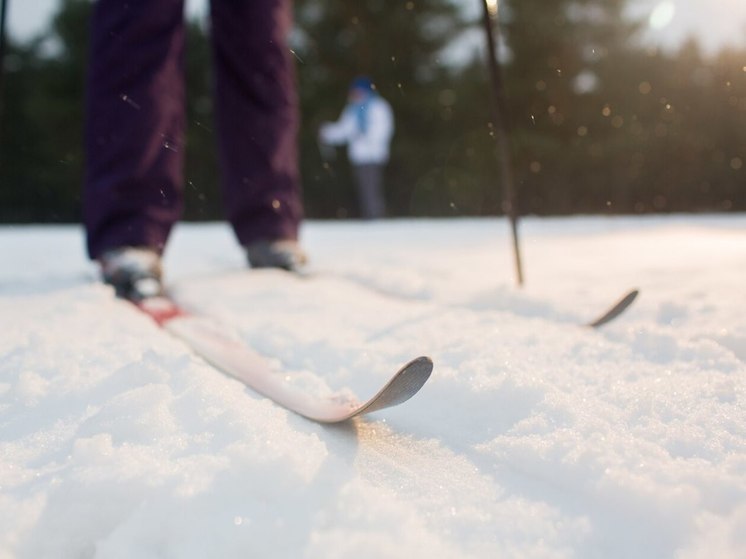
(616, 106)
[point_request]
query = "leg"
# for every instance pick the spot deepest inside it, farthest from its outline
(257, 118)
(369, 182)
(135, 124)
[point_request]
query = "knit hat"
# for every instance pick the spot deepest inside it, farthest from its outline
(363, 83)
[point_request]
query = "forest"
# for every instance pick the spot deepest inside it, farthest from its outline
(599, 122)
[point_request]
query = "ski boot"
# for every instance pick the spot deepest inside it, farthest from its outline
(284, 253)
(134, 272)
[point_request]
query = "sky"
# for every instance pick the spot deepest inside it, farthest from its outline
(714, 22)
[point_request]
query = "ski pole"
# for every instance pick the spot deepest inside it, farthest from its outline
(502, 131)
(3, 17)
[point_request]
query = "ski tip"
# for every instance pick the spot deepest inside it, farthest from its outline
(629, 298)
(414, 375)
(618, 308)
(421, 366)
(422, 361)
(405, 383)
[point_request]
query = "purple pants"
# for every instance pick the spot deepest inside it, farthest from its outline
(136, 121)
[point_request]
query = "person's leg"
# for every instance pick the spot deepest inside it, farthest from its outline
(135, 124)
(257, 118)
(369, 182)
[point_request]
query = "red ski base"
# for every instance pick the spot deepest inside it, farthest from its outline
(160, 309)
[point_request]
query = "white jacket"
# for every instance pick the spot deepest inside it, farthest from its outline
(371, 146)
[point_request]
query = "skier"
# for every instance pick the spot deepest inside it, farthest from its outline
(135, 135)
(366, 126)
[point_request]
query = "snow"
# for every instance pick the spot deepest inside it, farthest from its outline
(534, 438)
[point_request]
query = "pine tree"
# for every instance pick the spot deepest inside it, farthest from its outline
(557, 78)
(41, 162)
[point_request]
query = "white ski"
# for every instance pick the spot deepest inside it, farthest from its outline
(234, 358)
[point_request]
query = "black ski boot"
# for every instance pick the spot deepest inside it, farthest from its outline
(134, 272)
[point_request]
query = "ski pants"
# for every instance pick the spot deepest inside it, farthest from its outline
(135, 124)
(369, 184)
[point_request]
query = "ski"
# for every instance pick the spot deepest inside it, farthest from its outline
(209, 340)
(618, 308)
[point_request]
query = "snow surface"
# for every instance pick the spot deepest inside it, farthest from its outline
(535, 437)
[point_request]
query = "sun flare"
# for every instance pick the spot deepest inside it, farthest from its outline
(662, 15)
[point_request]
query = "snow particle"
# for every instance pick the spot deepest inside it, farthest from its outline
(127, 99)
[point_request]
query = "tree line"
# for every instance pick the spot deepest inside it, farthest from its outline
(600, 123)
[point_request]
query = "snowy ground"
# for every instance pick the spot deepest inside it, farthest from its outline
(535, 438)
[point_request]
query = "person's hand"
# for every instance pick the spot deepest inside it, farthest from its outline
(322, 130)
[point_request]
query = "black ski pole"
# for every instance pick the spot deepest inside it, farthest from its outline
(502, 132)
(3, 17)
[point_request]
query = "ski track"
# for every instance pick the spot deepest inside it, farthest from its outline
(535, 437)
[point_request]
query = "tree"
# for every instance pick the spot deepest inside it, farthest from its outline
(556, 83)
(600, 124)
(41, 155)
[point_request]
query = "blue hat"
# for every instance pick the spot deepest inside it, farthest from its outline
(362, 82)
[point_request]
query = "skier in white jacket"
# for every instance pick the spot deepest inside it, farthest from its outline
(366, 126)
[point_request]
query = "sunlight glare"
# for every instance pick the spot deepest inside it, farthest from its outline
(662, 15)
